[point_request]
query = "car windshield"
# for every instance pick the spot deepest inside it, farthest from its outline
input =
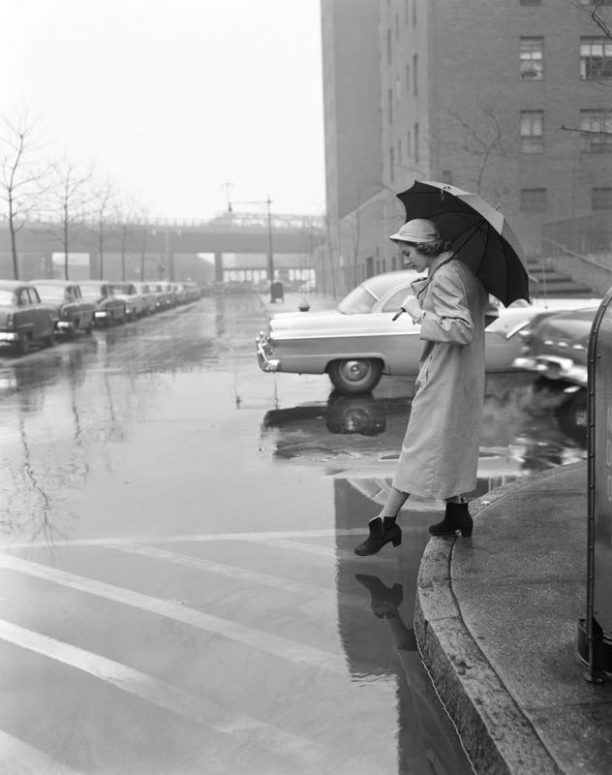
(120, 288)
(52, 292)
(91, 291)
(359, 300)
(6, 296)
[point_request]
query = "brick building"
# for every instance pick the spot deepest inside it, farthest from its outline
(509, 98)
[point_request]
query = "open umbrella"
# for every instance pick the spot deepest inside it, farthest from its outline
(480, 235)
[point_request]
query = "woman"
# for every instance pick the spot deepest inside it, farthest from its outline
(439, 456)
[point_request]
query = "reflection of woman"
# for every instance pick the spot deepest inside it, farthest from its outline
(439, 456)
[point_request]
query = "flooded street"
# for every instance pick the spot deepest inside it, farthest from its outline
(180, 592)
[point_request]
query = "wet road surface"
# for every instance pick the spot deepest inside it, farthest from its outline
(180, 593)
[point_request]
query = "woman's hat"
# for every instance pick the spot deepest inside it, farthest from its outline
(418, 230)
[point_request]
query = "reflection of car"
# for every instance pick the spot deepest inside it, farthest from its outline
(131, 297)
(556, 346)
(358, 341)
(24, 319)
(73, 312)
(108, 309)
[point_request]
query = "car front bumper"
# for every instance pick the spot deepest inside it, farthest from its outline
(264, 351)
(554, 367)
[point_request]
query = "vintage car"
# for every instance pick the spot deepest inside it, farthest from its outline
(149, 298)
(359, 341)
(108, 309)
(132, 298)
(24, 319)
(556, 346)
(74, 313)
(163, 298)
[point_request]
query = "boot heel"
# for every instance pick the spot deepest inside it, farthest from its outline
(466, 531)
(397, 540)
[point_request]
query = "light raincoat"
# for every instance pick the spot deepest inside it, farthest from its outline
(439, 457)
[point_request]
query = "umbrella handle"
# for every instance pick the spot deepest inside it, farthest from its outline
(397, 314)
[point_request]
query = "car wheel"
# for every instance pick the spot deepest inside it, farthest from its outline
(49, 340)
(355, 375)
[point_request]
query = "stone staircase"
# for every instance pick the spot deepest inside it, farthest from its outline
(545, 282)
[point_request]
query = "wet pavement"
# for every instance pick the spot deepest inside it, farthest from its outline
(180, 593)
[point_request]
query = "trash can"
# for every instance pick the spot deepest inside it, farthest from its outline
(277, 291)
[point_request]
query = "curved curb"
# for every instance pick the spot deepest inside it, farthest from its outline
(497, 736)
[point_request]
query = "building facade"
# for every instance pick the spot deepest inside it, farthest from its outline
(511, 99)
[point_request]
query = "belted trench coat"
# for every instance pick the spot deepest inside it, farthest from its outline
(439, 456)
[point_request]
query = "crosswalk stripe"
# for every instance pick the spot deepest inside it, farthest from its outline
(158, 692)
(20, 758)
(250, 576)
(273, 644)
(173, 539)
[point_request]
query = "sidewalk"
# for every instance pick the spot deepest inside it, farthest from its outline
(496, 620)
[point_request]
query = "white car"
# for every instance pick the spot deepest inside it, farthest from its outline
(358, 341)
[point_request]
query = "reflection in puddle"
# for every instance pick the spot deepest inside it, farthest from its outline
(527, 426)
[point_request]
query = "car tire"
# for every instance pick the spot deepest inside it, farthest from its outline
(355, 375)
(49, 340)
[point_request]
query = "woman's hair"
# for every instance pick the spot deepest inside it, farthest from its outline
(434, 248)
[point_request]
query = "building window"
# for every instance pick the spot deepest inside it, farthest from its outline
(399, 151)
(408, 143)
(530, 2)
(531, 66)
(447, 177)
(414, 13)
(533, 200)
(532, 136)
(396, 26)
(406, 10)
(601, 199)
(389, 47)
(390, 101)
(407, 77)
(415, 75)
(596, 131)
(416, 143)
(595, 58)
(391, 163)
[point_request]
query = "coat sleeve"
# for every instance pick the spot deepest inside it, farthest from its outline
(451, 319)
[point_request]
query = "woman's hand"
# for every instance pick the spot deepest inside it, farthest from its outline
(413, 308)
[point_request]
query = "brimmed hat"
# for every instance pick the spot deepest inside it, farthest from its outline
(418, 230)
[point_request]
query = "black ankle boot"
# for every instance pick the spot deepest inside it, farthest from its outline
(457, 517)
(380, 534)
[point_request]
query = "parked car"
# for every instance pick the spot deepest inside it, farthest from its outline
(132, 298)
(556, 346)
(109, 310)
(24, 319)
(358, 341)
(149, 297)
(74, 313)
(163, 299)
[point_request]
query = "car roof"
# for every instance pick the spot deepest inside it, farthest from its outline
(381, 283)
(11, 284)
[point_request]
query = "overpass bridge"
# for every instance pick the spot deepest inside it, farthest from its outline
(175, 250)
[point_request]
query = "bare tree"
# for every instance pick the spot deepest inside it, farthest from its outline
(22, 180)
(70, 203)
(483, 139)
(104, 206)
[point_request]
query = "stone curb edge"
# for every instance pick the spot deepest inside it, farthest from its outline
(497, 736)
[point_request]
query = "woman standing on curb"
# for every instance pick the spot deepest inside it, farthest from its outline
(439, 457)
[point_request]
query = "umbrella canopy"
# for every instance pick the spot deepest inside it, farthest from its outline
(480, 235)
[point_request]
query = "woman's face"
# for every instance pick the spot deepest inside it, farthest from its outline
(412, 256)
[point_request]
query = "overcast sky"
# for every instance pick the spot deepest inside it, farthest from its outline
(171, 98)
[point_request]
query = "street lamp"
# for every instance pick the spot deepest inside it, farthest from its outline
(268, 203)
